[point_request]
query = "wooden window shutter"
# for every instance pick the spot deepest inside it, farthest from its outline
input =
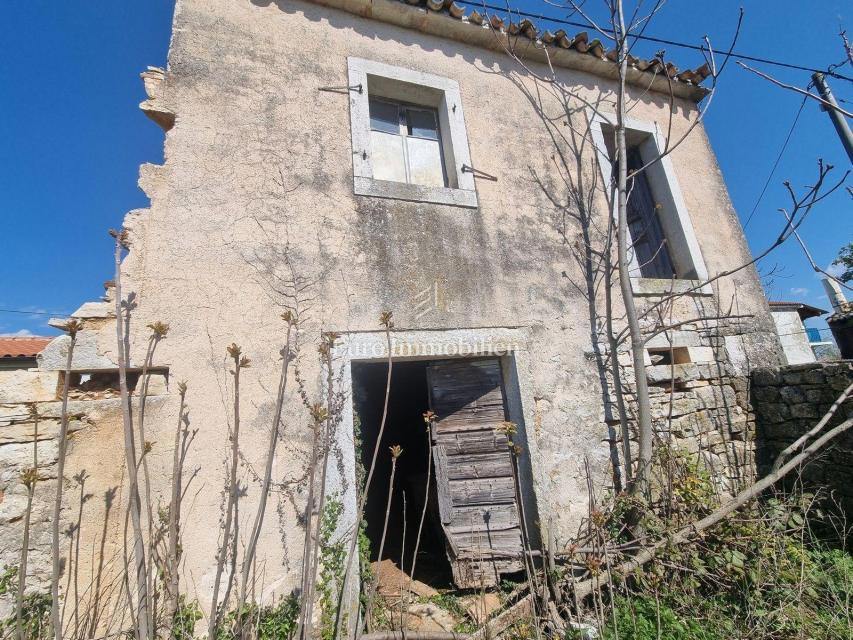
(473, 471)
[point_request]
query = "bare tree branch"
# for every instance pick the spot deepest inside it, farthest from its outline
(795, 89)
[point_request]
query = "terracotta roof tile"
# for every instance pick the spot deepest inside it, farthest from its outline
(559, 39)
(22, 347)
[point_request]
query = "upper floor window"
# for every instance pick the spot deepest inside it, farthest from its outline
(663, 251)
(405, 143)
(647, 236)
(408, 136)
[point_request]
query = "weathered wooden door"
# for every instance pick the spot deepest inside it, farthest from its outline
(473, 471)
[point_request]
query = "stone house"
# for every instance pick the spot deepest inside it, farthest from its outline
(342, 158)
(18, 353)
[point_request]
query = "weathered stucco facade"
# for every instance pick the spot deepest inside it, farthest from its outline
(254, 212)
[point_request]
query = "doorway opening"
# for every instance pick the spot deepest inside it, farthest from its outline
(404, 426)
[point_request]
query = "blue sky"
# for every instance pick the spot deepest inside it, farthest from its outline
(73, 137)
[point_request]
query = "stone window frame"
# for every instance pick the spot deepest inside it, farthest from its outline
(676, 218)
(418, 88)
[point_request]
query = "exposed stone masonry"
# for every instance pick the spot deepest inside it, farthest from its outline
(93, 401)
(700, 401)
(788, 403)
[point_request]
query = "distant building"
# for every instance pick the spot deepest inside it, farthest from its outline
(841, 320)
(795, 338)
(20, 353)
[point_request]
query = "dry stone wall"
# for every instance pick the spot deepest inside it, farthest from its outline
(700, 399)
(788, 403)
(94, 415)
(19, 391)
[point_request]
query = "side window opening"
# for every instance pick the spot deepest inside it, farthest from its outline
(662, 242)
(676, 355)
(647, 235)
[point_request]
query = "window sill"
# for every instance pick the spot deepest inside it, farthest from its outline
(664, 287)
(414, 192)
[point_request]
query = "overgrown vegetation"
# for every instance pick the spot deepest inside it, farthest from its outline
(270, 622)
(34, 610)
(764, 574)
(332, 556)
(749, 580)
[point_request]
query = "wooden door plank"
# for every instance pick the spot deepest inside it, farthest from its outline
(473, 470)
(464, 493)
(494, 517)
(473, 441)
(471, 466)
(442, 483)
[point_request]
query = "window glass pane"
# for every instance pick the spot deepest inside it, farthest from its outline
(647, 236)
(387, 156)
(422, 123)
(384, 116)
(425, 162)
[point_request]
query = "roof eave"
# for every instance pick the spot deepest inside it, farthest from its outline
(438, 24)
(805, 311)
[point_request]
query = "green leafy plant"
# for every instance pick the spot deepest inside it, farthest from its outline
(184, 619)
(332, 558)
(279, 622)
(35, 618)
(8, 580)
(270, 622)
(845, 260)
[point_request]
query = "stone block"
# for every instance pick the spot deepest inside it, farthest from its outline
(701, 354)
(691, 424)
(12, 507)
(792, 395)
(839, 383)
(814, 396)
(815, 376)
(680, 406)
(775, 413)
(17, 456)
(792, 377)
(714, 396)
(158, 384)
(24, 431)
(87, 354)
(100, 309)
(739, 383)
(804, 410)
(714, 439)
(666, 373)
(839, 368)
(766, 394)
(766, 377)
(675, 338)
(21, 385)
(704, 371)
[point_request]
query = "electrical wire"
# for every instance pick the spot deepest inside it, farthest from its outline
(60, 314)
(740, 56)
(776, 163)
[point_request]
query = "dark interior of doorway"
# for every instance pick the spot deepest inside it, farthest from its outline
(404, 426)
